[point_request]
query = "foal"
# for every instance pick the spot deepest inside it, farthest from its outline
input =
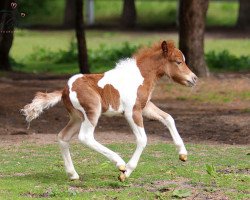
(125, 90)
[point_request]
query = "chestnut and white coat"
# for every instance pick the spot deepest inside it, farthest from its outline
(125, 90)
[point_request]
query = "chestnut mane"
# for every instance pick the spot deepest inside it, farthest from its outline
(155, 49)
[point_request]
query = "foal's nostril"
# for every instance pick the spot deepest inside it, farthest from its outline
(194, 79)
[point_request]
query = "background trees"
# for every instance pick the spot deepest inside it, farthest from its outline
(191, 34)
(69, 19)
(80, 35)
(244, 14)
(128, 18)
(6, 33)
(141, 15)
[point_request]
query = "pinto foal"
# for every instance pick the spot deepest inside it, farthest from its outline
(125, 90)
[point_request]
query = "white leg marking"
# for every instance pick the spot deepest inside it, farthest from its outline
(169, 122)
(153, 112)
(64, 137)
(86, 136)
(69, 167)
(141, 140)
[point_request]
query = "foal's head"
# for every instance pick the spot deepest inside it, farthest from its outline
(174, 65)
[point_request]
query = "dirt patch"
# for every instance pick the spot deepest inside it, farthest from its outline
(196, 121)
(235, 171)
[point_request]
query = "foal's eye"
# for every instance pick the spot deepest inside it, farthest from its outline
(178, 62)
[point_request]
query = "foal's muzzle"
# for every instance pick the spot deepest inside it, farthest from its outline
(191, 81)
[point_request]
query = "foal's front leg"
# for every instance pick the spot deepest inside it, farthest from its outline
(152, 112)
(135, 121)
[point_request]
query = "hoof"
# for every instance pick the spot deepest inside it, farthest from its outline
(122, 177)
(183, 157)
(74, 177)
(122, 168)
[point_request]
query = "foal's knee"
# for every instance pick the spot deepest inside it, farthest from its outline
(169, 121)
(142, 141)
(87, 140)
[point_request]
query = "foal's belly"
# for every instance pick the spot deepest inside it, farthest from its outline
(111, 112)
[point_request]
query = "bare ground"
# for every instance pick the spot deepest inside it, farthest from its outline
(197, 122)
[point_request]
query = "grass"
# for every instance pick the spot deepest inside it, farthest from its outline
(26, 42)
(30, 171)
(213, 91)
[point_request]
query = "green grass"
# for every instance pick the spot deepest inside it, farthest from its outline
(26, 42)
(214, 92)
(37, 171)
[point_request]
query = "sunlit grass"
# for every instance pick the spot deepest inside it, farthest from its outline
(37, 171)
(26, 41)
(211, 91)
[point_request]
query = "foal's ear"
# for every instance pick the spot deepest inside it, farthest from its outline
(164, 48)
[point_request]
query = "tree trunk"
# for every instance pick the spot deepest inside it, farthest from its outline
(128, 14)
(244, 14)
(191, 34)
(7, 21)
(69, 14)
(80, 35)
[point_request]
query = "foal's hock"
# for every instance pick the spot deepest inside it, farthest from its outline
(125, 90)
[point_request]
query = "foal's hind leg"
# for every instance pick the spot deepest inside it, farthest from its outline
(86, 136)
(64, 137)
(152, 112)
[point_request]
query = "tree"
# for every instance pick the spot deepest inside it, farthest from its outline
(80, 35)
(6, 33)
(128, 18)
(244, 14)
(191, 34)
(69, 14)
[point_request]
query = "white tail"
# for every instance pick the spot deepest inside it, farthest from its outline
(42, 101)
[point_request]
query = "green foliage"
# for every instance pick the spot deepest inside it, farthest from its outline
(150, 13)
(225, 61)
(211, 170)
(101, 59)
(218, 13)
(106, 57)
(181, 193)
(40, 11)
(16, 64)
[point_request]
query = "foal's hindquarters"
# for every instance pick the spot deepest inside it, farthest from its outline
(84, 111)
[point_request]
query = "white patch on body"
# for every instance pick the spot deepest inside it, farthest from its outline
(125, 78)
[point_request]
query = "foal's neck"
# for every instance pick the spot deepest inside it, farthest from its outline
(151, 69)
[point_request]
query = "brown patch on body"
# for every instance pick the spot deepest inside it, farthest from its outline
(137, 114)
(66, 99)
(110, 96)
(94, 99)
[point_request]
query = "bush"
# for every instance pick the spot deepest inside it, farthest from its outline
(100, 60)
(105, 57)
(224, 61)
